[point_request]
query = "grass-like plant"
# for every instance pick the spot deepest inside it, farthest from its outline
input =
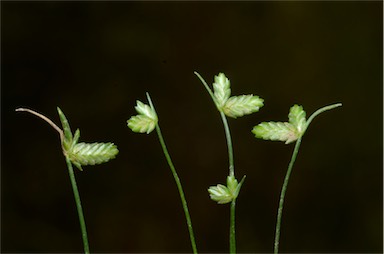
(145, 122)
(288, 132)
(78, 154)
(231, 106)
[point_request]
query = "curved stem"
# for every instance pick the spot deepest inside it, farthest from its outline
(45, 119)
(206, 86)
(177, 180)
(282, 195)
(321, 110)
(78, 205)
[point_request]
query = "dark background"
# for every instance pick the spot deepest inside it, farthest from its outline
(94, 59)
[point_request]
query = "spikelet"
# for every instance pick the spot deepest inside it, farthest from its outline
(232, 106)
(83, 154)
(287, 132)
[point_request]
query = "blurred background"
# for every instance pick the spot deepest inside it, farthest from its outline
(95, 59)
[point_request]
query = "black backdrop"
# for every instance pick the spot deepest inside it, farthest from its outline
(94, 59)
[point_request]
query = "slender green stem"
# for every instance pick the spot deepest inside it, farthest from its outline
(321, 110)
(206, 86)
(232, 231)
(229, 144)
(290, 166)
(232, 228)
(78, 205)
(180, 188)
(282, 195)
(177, 180)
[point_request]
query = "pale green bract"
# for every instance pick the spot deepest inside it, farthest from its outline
(287, 132)
(145, 121)
(224, 194)
(235, 106)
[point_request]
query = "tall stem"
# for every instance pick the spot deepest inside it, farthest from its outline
(180, 188)
(78, 205)
(282, 195)
(232, 232)
(232, 220)
(229, 144)
(177, 180)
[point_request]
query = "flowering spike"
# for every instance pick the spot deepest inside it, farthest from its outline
(276, 131)
(297, 118)
(225, 194)
(92, 153)
(145, 121)
(222, 89)
(288, 131)
(237, 106)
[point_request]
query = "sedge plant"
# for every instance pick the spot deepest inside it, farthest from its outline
(78, 154)
(288, 132)
(145, 122)
(234, 107)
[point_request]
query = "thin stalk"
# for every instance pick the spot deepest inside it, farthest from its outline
(180, 188)
(290, 166)
(282, 195)
(177, 180)
(45, 119)
(321, 110)
(232, 228)
(229, 144)
(78, 205)
(206, 87)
